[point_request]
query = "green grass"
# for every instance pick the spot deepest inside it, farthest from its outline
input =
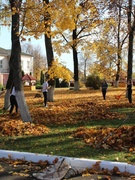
(60, 141)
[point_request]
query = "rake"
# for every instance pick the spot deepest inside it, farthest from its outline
(112, 133)
(119, 96)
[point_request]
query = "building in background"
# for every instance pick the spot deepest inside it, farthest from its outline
(26, 63)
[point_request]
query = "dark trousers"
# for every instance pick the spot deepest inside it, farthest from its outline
(45, 98)
(130, 96)
(104, 94)
(13, 103)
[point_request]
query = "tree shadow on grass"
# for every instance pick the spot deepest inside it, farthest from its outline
(57, 143)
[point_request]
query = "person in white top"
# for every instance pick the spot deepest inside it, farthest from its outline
(45, 88)
(13, 101)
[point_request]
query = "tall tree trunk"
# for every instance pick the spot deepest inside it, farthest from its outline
(119, 48)
(118, 67)
(75, 59)
(130, 46)
(50, 58)
(130, 43)
(15, 75)
(49, 53)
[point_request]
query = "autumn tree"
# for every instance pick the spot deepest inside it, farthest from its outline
(103, 48)
(120, 11)
(73, 24)
(15, 74)
(41, 17)
(117, 10)
(37, 22)
(48, 46)
(57, 70)
(76, 23)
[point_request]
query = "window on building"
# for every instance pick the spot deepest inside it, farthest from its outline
(1, 64)
(28, 64)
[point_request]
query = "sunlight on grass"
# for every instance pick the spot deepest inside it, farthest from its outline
(70, 111)
(124, 110)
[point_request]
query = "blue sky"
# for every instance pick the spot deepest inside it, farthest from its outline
(5, 42)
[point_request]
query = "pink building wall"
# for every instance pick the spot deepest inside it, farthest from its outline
(3, 78)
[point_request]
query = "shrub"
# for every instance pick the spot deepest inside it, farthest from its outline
(64, 84)
(57, 83)
(38, 85)
(41, 77)
(93, 81)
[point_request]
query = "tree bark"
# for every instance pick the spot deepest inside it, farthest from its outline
(75, 59)
(119, 48)
(130, 43)
(130, 46)
(15, 74)
(49, 53)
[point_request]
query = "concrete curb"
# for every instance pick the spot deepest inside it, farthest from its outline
(78, 163)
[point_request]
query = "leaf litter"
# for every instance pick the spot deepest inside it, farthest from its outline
(67, 111)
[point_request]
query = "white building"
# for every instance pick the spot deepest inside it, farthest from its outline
(26, 63)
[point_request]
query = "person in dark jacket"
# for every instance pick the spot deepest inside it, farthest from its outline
(13, 101)
(129, 90)
(104, 87)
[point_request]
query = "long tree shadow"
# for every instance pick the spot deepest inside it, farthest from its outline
(64, 116)
(66, 146)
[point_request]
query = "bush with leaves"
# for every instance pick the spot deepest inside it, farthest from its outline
(64, 83)
(57, 83)
(38, 85)
(93, 81)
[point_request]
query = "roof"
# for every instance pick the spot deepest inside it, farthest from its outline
(3, 51)
(8, 51)
(28, 78)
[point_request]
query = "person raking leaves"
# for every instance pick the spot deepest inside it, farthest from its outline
(104, 87)
(13, 101)
(45, 88)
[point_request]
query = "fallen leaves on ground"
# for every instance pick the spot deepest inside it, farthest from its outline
(73, 112)
(108, 138)
(72, 107)
(69, 107)
(18, 128)
(22, 167)
(96, 169)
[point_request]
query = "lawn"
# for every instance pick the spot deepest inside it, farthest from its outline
(76, 124)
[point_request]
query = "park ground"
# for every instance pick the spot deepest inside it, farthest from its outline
(73, 125)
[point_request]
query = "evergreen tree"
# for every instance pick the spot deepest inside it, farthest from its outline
(41, 77)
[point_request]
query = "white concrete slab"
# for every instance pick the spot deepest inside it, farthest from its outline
(78, 163)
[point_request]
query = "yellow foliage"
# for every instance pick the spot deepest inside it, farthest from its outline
(57, 70)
